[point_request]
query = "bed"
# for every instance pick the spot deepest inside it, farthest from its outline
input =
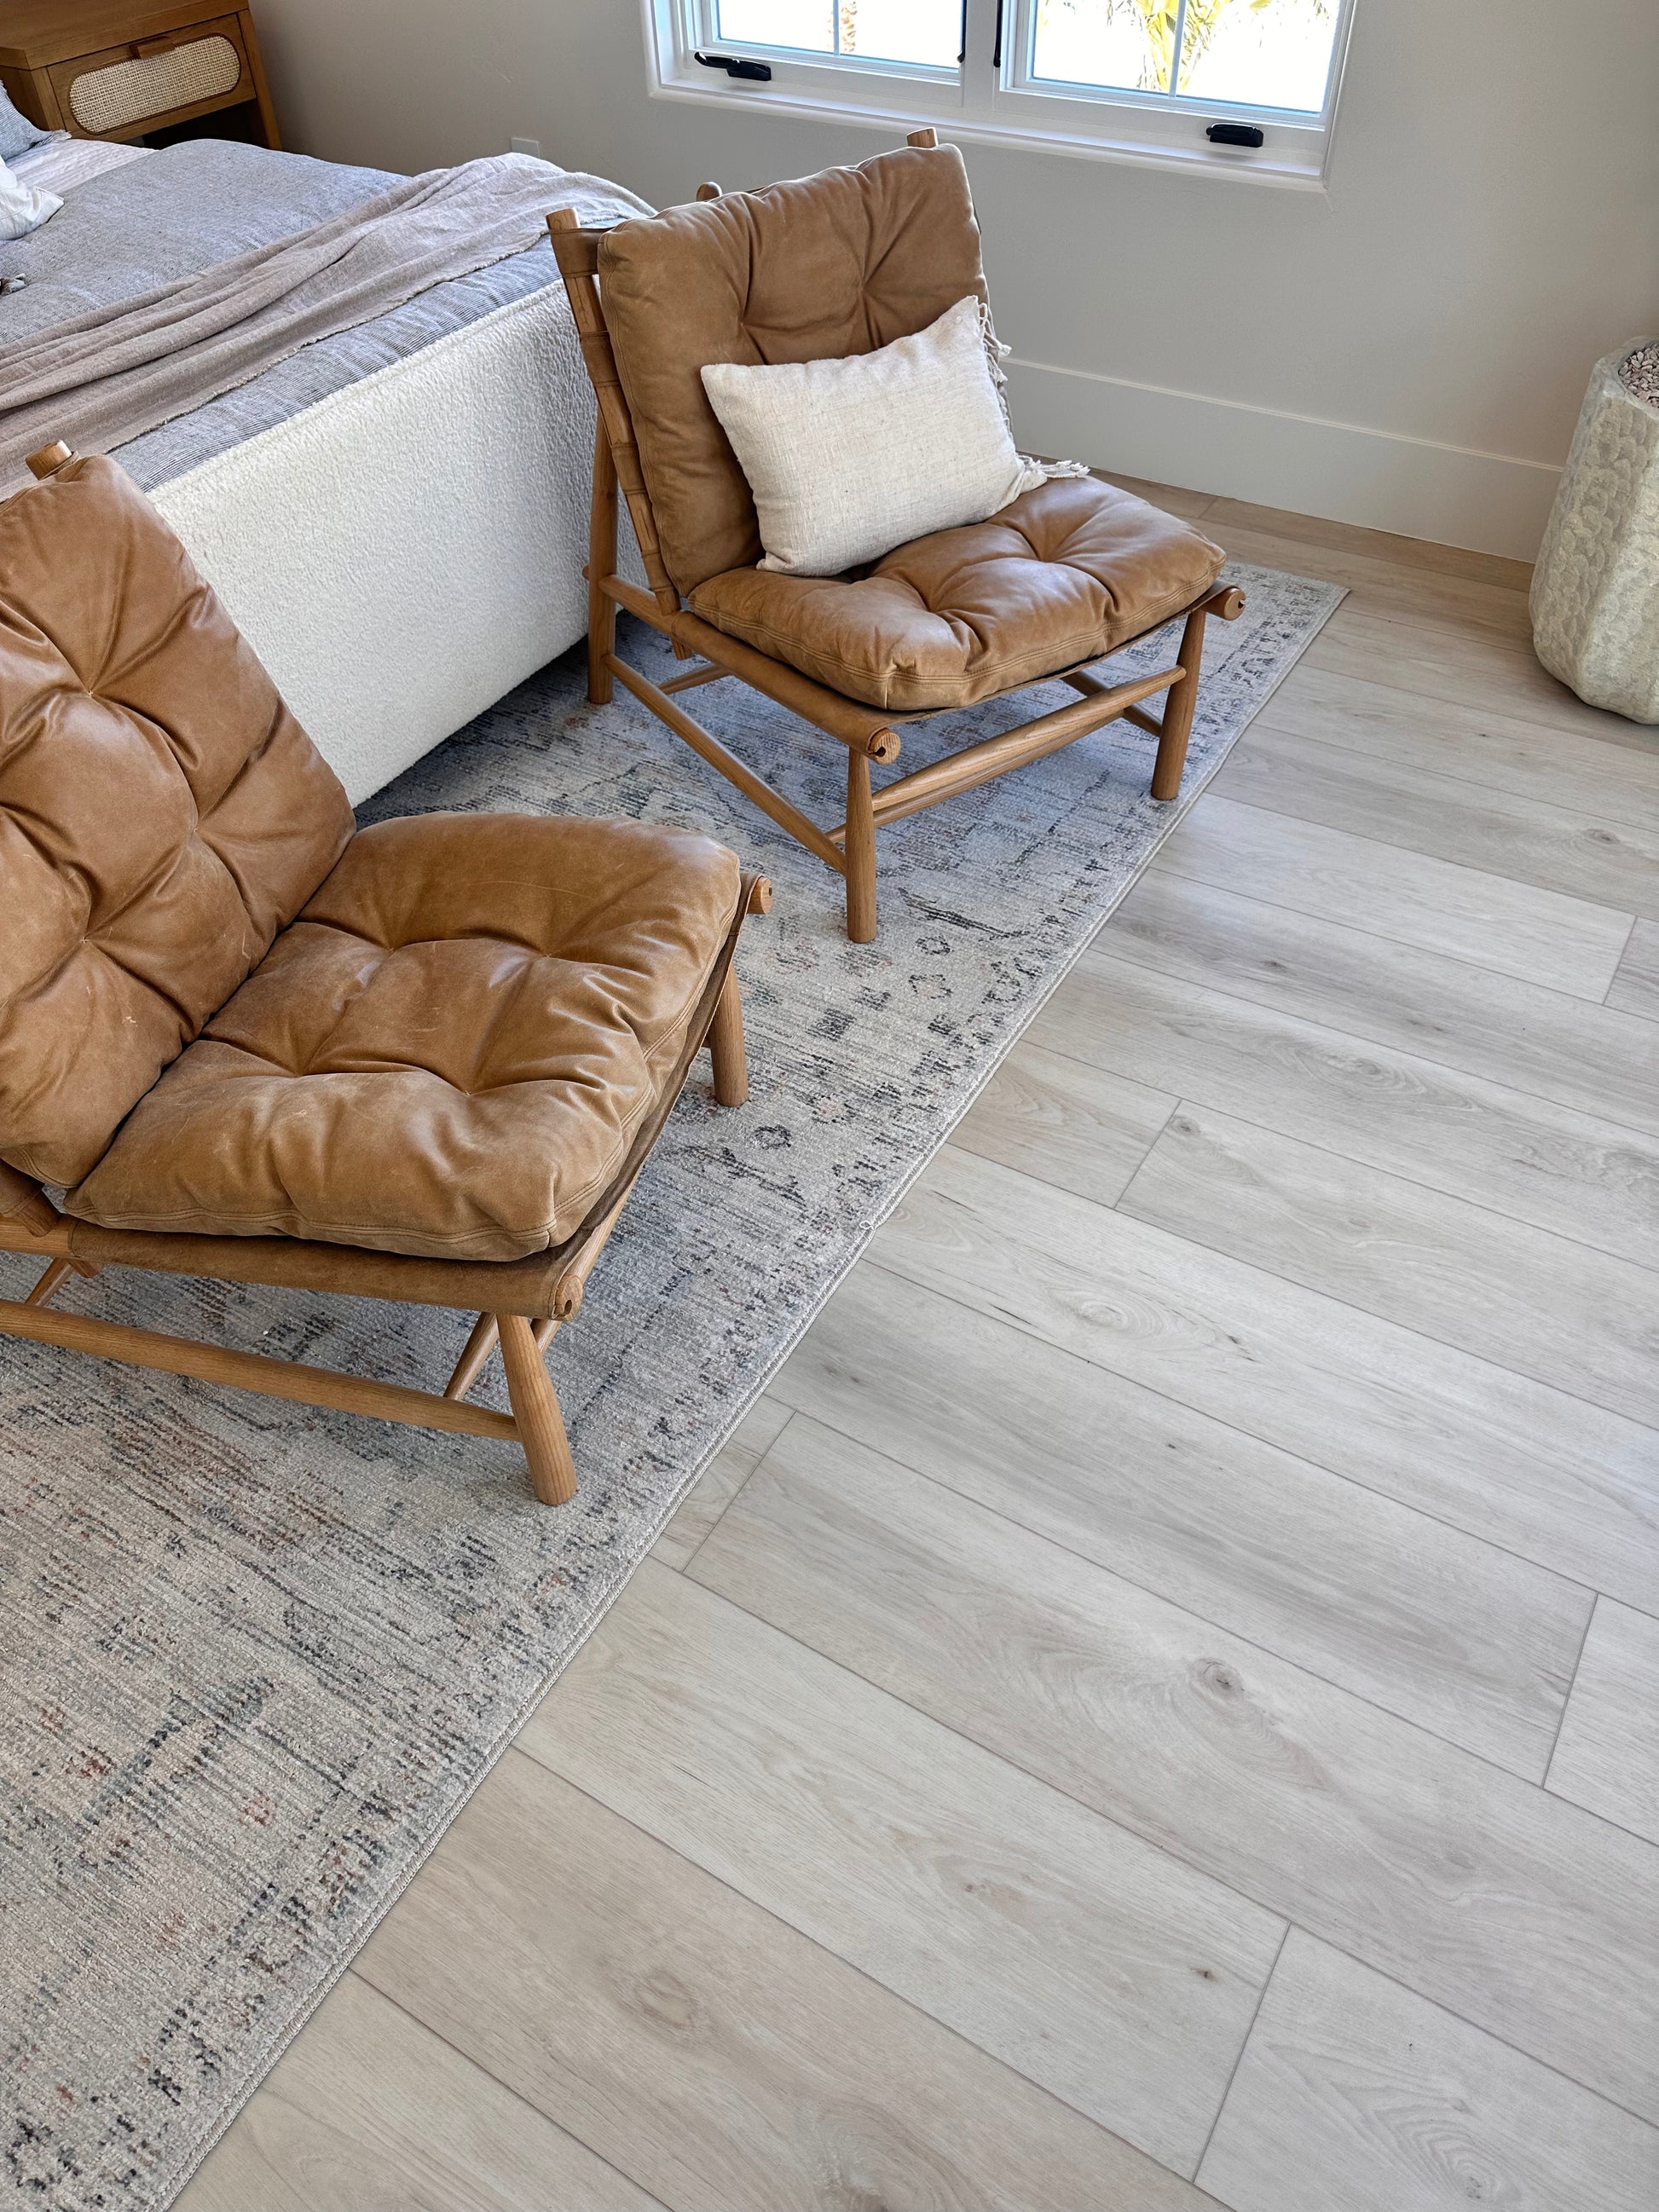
(396, 517)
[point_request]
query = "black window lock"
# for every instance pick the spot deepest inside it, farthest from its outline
(1225, 133)
(735, 65)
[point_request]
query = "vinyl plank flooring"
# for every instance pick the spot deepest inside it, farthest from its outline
(720, 1482)
(1521, 1155)
(1494, 751)
(1636, 987)
(1347, 538)
(720, 2058)
(1174, 499)
(1392, 588)
(1083, 1602)
(1549, 1476)
(1354, 2092)
(1583, 857)
(1463, 1639)
(370, 2112)
(1535, 1920)
(1596, 1060)
(1607, 1757)
(1086, 1129)
(1477, 669)
(1539, 1304)
(1333, 875)
(1088, 1960)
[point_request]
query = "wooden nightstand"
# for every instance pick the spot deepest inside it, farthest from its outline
(120, 69)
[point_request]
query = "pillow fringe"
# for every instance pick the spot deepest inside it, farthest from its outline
(1033, 471)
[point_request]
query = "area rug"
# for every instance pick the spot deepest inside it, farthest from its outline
(255, 1655)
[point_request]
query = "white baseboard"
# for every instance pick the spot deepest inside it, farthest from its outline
(1454, 495)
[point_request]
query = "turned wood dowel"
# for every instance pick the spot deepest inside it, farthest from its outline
(735, 771)
(476, 1351)
(536, 1412)
(251, 1371)
(601, 560)
(861, 850)
(693, 676)
(1175, 724)
(49, 1282)
(725, 1045)
(1175, 727)
(479, 1346)
(993, 757)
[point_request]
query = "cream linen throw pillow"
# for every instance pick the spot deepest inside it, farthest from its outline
(848, 458)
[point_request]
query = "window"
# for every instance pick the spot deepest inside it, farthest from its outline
(925, 31)
(1134, 80)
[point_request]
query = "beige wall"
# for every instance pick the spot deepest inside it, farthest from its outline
(1407, 350)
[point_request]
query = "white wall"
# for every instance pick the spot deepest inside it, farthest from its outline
(1406, 350)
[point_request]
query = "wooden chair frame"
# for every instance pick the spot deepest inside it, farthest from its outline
(521, 1303)
(868, 732)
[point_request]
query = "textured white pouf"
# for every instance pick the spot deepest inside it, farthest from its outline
(1595, 588)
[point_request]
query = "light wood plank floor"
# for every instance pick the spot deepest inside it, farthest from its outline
(1158, 1705)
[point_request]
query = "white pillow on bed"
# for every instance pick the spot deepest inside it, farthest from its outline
(22, 209)
(848, 458)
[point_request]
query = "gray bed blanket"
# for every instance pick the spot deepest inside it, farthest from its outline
(117, 370)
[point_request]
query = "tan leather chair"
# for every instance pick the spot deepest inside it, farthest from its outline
(815, 270)
(424, 1060)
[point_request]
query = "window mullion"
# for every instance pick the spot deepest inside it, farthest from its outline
(1179, 41)
(979, 76)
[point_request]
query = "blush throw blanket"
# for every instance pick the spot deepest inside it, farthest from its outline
(110, 375)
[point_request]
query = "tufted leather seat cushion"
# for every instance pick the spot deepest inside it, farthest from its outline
(449, 1053)
(1064, 576)
(161, 812)
(812, 269)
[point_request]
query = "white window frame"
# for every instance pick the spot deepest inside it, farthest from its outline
(997, 102)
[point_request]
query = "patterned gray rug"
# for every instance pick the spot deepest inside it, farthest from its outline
(254, 1656)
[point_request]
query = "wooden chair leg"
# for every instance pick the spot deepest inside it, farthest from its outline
(601, 562)
(479, 1346)
(860, 851)
(536, 1410)
(725, 1045)
(1179, 703)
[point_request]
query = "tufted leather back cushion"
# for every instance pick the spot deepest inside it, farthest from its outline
(162, 815)
(813, 270)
